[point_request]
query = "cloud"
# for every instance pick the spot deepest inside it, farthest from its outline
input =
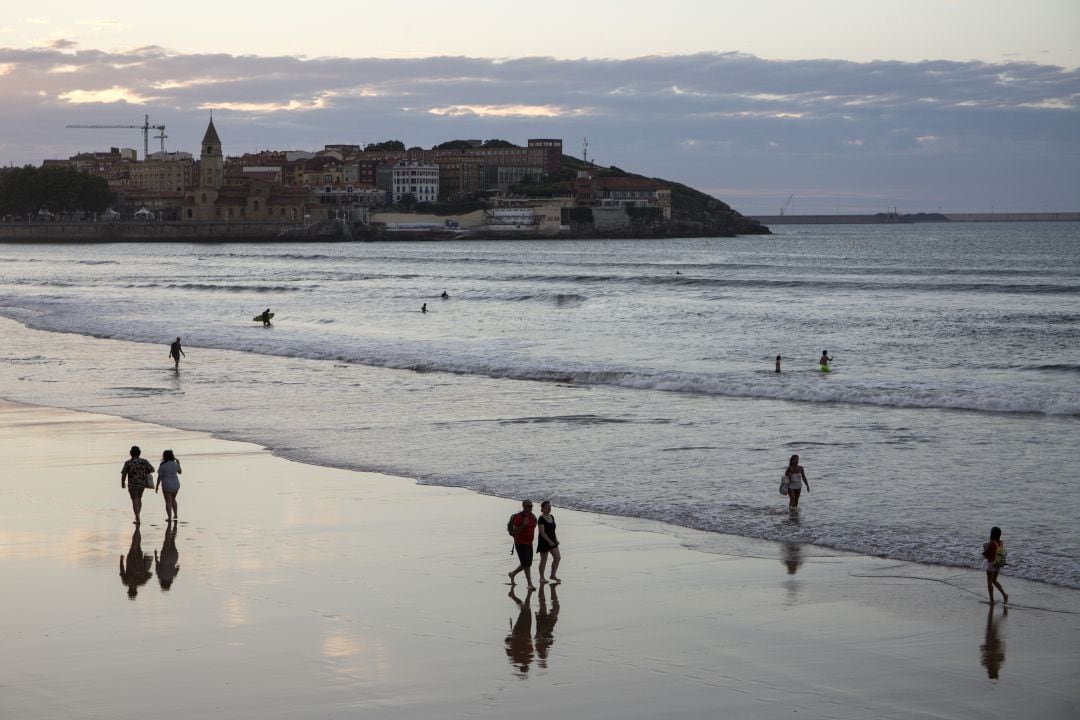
(711, 119)
(114, 94)
(508, 111)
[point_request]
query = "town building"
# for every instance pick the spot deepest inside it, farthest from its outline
(218, 197)
(419, 179)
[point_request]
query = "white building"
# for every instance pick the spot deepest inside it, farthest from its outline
(419, 179)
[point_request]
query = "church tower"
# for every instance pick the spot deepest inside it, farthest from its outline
(211, 161)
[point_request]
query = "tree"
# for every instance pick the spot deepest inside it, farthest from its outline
(28, 190)
(496, 143)
(454, 145)
(407, 201)
(386, 145)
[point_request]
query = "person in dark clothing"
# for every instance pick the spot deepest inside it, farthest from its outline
(266, 317)
(547, 543)
(175, 351)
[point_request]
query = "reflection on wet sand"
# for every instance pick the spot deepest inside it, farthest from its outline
(992, 651)
(519, 643)
(792, 557)
(545, 623)
(167, 564)
(137, 571)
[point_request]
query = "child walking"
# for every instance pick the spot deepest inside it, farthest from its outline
(994, 555)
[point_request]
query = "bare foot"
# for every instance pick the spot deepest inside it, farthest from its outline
(1006, 597)
(530, 587)
(555, 579)
(543, 581)
(511, 575)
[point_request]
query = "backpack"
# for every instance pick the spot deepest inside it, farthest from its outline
(510, 524)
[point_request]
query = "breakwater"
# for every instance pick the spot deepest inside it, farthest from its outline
(893, 218)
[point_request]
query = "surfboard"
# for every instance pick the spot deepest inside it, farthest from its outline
(259, 317)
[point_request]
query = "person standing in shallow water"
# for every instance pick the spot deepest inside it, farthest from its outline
(777, 363)
(524, 527)
(796, 479)
(824, 361)
(994, 555)
(547, 543)
(168, 481)
(175, 351)
(135, 474)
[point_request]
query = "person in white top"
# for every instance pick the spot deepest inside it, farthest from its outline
(168, 481)
(796, 479)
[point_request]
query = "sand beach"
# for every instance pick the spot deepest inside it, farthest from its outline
(291, 590)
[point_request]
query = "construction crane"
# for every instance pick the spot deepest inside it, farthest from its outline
(146, 127)
(789, 197)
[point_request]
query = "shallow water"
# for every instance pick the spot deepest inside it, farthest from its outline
(633, 378)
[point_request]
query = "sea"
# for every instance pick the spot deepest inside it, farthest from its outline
(625, 377)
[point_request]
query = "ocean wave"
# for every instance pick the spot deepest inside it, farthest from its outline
(1054, 367)
(791, 283)
(809, 387)
(233, 288)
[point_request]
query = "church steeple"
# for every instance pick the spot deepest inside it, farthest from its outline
(211, 160)
(211, 142)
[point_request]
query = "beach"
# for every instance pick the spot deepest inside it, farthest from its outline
(307, 591)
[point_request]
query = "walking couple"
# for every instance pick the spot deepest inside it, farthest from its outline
(524, 526)
(137, 474)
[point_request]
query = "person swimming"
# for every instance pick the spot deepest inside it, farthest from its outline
(824, 361)
(444, 295)
(423, 308)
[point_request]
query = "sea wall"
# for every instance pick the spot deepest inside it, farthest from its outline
(150, 231)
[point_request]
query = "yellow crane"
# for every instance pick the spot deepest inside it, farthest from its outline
(146, 127)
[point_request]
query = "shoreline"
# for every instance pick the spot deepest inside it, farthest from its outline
(222, 358)
(325, 592)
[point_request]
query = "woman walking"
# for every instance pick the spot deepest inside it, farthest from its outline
(168, 480)
(796, 479)
(547, 543)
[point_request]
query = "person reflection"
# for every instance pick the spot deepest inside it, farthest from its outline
(167, 565)
(545, 623)
(792, 557)
(519, 643)
(137, 572)
(992, 652)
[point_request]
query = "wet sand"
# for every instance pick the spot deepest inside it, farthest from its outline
(296, 591)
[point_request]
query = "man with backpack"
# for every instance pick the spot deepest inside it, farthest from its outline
(522, 526)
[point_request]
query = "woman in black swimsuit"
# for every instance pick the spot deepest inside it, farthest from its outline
(547, 543)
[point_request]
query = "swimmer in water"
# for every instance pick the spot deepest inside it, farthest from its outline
(444, 295)
(824, 361)
(423, 308)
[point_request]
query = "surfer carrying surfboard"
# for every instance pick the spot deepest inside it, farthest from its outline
(824, 361)
(266, 315)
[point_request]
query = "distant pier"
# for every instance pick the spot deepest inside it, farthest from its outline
(894, 218)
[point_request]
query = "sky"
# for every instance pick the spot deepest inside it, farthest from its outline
(848, 105)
